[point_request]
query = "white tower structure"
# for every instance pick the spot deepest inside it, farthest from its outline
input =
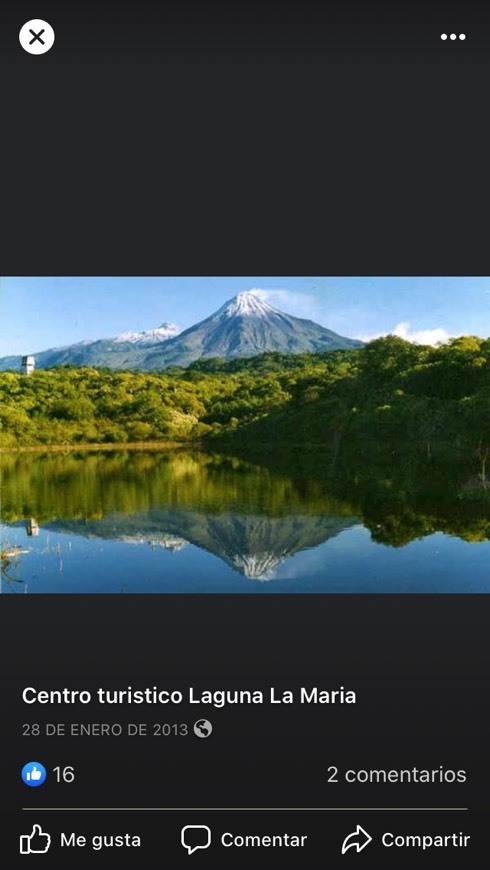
(28, 365)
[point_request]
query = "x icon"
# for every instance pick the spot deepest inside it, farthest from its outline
(37, 36)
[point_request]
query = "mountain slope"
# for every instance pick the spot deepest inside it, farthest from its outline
(124, 351)
(244, 326)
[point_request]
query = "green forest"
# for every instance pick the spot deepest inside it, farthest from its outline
(388, 398)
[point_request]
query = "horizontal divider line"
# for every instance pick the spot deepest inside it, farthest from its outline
(244, 809)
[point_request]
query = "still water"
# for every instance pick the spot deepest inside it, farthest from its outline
(177, 521)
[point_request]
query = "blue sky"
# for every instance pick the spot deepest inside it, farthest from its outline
(38, 313)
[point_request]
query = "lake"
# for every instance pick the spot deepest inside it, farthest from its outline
(184, 521)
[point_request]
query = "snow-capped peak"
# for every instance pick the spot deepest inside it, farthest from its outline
(152, 336)
(247, 304)
(259, 566)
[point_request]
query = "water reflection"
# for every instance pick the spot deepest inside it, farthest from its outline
(254, 545)
(259, 523)
(250, 517)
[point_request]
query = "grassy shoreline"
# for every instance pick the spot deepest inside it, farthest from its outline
(86, 448)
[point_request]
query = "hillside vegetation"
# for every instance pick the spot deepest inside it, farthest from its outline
(389, 396)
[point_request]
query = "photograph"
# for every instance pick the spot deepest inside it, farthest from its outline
(244, 434)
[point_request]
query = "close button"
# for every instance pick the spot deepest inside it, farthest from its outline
(36, 36)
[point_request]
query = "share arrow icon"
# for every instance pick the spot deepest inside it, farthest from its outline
(358, 840)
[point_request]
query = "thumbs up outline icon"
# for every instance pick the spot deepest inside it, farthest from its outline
(35, 843)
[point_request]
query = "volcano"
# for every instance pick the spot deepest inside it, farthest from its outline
(244, 326)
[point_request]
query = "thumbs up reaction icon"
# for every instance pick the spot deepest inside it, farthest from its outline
(36, 843)
(33, 774)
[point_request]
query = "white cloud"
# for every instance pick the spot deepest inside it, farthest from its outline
(418, 336)
(298, 304)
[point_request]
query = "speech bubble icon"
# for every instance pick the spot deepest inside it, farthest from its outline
(194, 837)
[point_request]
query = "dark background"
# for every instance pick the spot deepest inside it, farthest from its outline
(249, 139)
(246, 138)
(418, 665)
